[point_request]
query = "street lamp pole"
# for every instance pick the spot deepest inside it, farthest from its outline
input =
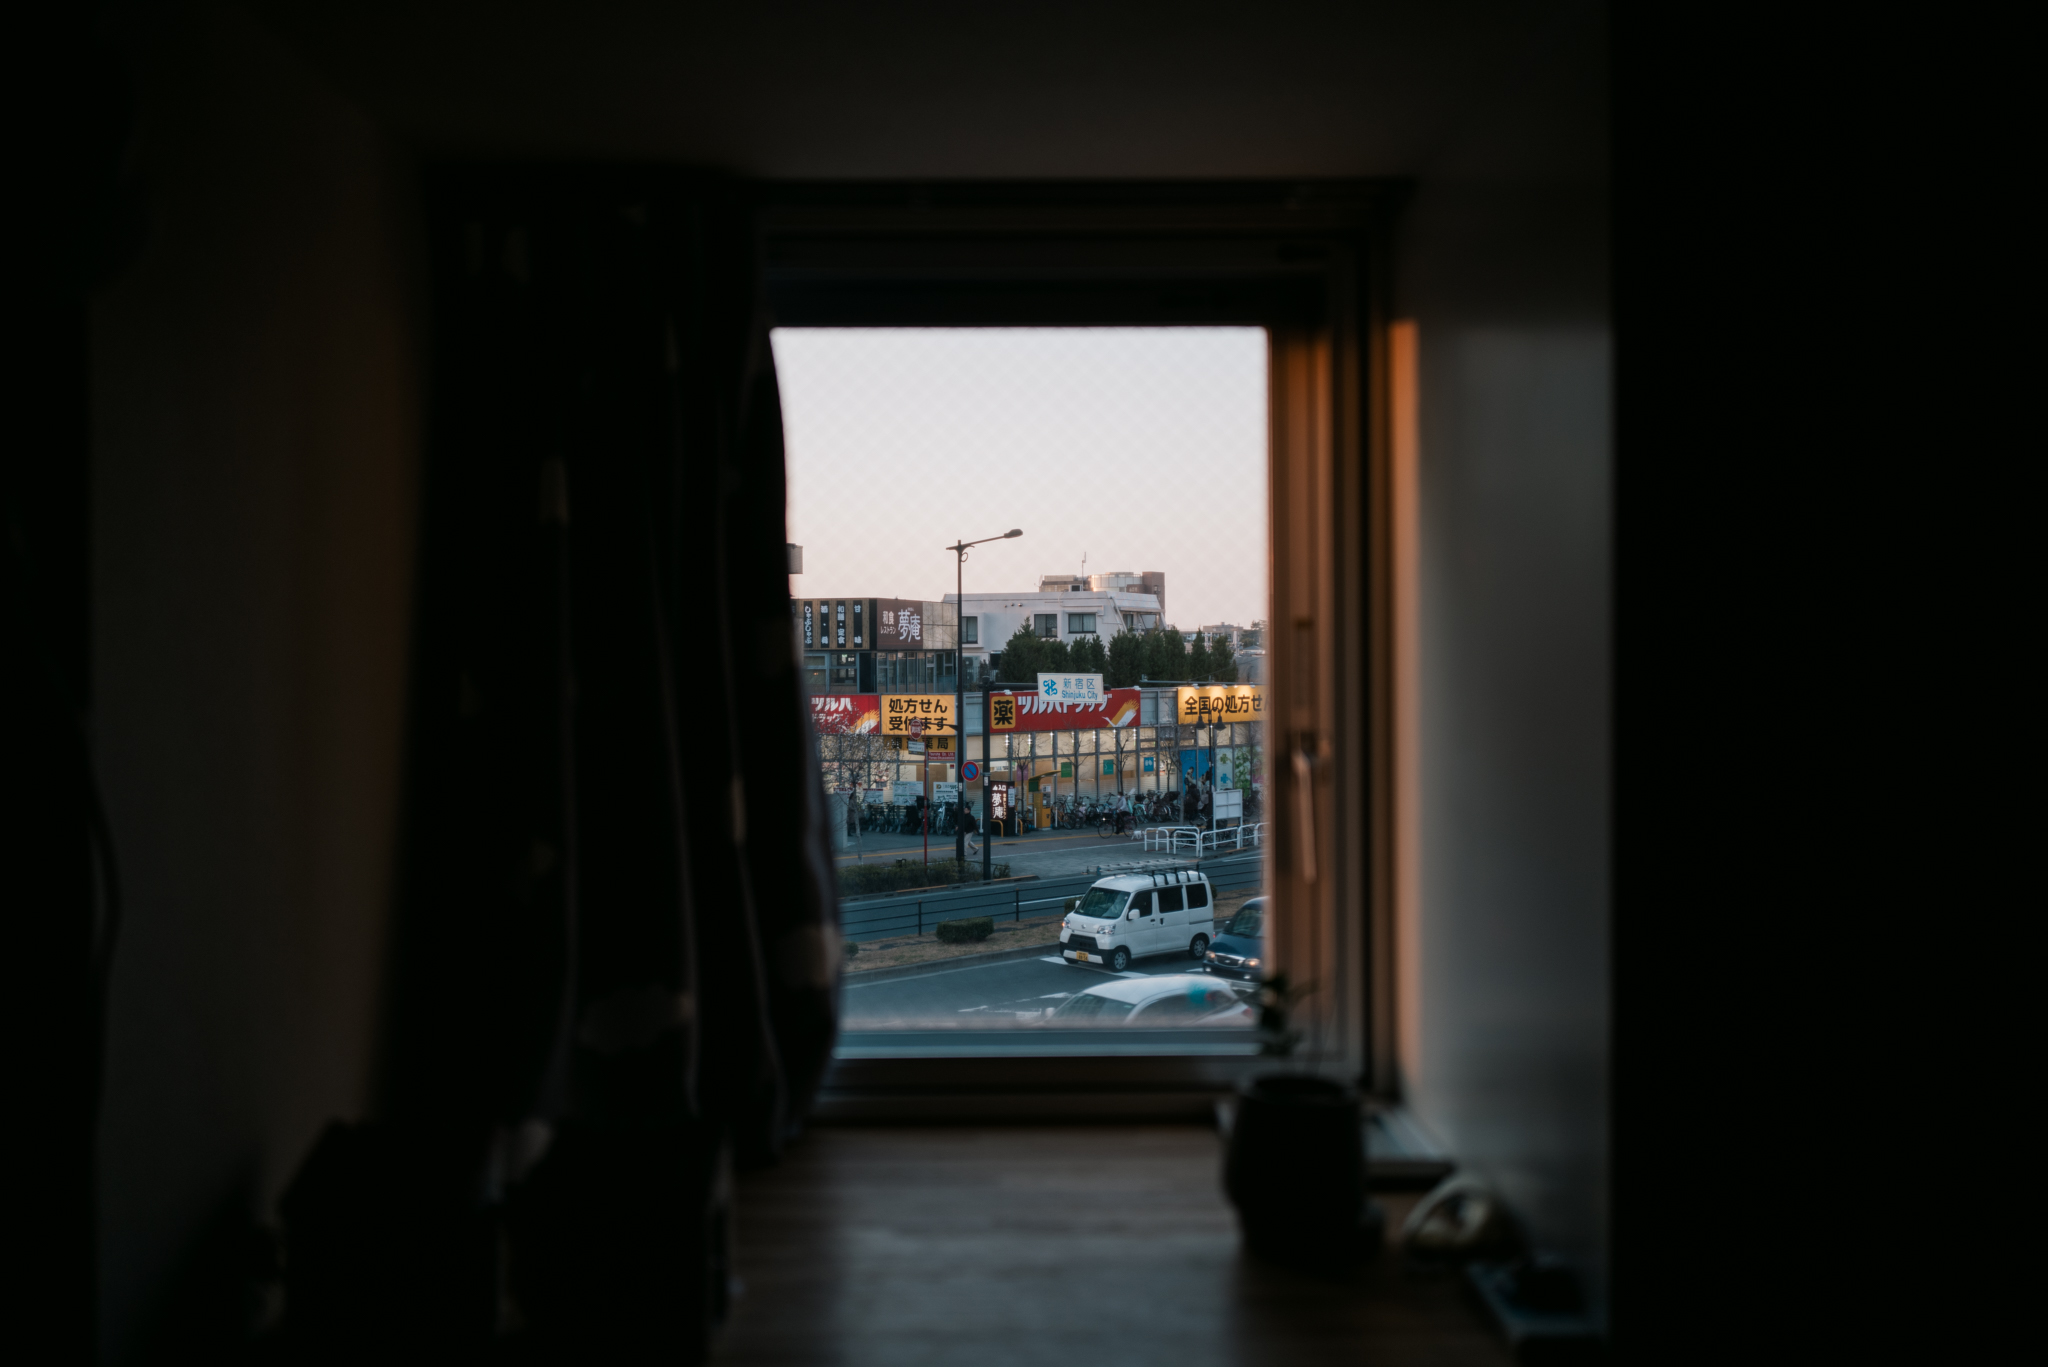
(959, 549)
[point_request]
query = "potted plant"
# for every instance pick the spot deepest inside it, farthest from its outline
(1295, 1164)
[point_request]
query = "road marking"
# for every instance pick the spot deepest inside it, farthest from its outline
(940, 973)
(1053, 959)
(1129, 973)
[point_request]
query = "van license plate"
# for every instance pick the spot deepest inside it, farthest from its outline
(1082, 955)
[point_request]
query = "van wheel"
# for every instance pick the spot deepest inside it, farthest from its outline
(1200, 947)
(1119, 959)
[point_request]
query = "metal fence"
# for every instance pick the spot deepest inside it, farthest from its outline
(881, 918)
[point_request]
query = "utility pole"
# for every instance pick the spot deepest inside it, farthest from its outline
(988, 833)
(959, 549)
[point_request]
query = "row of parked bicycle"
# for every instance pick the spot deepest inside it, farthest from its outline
(901, 818)
(1066, 811)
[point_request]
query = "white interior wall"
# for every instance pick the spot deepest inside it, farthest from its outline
(1503, 268)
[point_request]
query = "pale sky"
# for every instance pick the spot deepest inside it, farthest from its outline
(1144, 448)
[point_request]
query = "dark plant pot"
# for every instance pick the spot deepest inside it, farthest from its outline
(1295, 1170)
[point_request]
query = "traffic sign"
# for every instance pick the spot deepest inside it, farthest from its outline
(970, 771)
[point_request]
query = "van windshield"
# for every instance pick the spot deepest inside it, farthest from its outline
(1250, 921)
(1105, 904)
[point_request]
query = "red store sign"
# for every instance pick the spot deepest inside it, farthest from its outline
(1026, 711)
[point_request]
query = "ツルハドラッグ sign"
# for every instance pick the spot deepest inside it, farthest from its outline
(856, 714)
(1031, 712)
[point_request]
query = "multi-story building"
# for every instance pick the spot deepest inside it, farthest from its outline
(877, 645)
(1065, 614)
(903, 645)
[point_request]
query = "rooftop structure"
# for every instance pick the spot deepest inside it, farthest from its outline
(1152, 582)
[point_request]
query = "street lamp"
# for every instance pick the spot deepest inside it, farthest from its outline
(959, 549)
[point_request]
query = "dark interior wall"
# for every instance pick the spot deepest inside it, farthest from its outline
(257, 375)
(255, 438)
(1503, 266)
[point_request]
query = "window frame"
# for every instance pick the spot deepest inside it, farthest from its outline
(1307, 262)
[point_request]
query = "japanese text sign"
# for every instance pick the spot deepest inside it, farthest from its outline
(1084, 689)
(1032, 712)
(933, 713)
(1219, 703)
(845, 713)
(899, 624)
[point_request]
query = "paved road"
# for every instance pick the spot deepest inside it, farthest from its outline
(1000, 993)
(1048, 854)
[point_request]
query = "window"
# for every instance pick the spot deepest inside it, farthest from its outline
(1197, 398)
(814, 673)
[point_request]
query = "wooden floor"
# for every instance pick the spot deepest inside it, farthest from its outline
(1094, 1246)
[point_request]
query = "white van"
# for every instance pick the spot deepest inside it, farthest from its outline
(1130, 915)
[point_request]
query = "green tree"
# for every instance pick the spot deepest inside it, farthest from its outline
(1166, 654)
(1223, 660)
(1089, 657)
(1198, 658)
(1024, 655)
(1124, 660)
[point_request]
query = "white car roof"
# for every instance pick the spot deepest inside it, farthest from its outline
(1138, 882)
(1138, 991)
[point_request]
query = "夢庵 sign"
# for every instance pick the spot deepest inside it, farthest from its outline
(1030, 712)
(1217, 703)
(899, 624)
(907, 714)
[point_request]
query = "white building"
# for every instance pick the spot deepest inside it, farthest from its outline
(987, 620)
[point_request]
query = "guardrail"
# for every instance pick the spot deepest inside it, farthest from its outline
(1235, 837)
(1236, 873)
(881, 918)
(1196, 841)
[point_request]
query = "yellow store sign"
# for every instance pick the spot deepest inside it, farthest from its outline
(909, 714)
(1215, 704)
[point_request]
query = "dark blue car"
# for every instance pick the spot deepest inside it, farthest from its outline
(1236, 951)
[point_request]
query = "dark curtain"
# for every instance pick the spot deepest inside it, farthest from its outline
(616, 968)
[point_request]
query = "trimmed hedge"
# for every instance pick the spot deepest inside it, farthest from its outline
(856, 879)
(967, 931)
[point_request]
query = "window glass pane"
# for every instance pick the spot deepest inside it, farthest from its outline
(1132, 463)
